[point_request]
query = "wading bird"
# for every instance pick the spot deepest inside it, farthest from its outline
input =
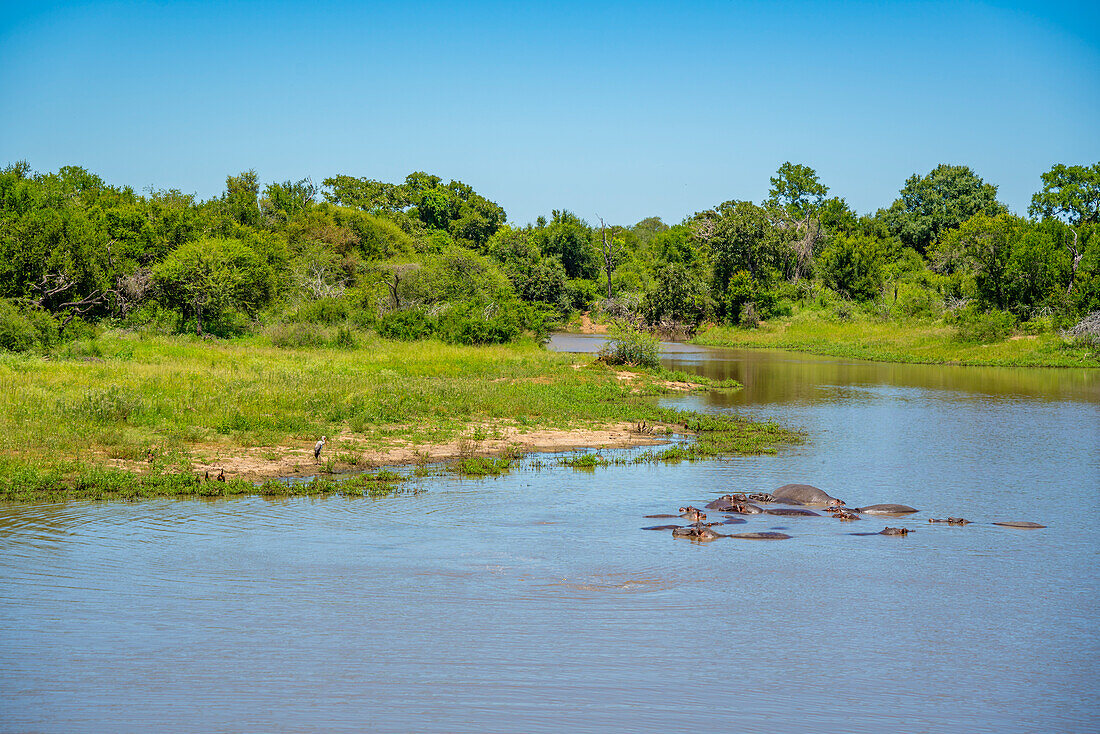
(317, 448)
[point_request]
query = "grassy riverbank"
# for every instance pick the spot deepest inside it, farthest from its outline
(916, 341)
(141, 415)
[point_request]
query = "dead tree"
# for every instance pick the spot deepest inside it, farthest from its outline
(610, 250)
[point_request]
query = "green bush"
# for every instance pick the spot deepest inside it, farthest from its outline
(915, 301)
(629, 345)
(478, 324)
(743, 289)
(17, 332)
(322, 311)
(580, 293)
(984, 328)
(853, 266)
(407, 325)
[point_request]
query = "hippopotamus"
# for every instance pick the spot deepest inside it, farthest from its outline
(790, 511)
(663, 527)
(696, 532)
(726, 500)
(766, 535)
(761, 497)
(805, 494)
(741, 508)
(885, 509)
(842, 515)
(887, 531)
(733, 521)
(1019, 524)
(950, 520)
(693, 514)
(688, 512)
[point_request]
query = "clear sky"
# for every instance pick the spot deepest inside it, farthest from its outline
(623, 110)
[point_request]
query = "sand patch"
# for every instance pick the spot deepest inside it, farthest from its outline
(265, 462)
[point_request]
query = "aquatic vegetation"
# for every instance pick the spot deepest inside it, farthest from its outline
(481, 466)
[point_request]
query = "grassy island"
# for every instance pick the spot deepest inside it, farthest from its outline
(133, 415)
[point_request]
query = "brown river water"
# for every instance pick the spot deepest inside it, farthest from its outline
(535, 603)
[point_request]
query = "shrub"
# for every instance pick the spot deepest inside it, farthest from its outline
(629, 345)
(581, 293)
(408, 325)
(322, 311)
(479, 324)
(852, 266)
(984, 328)
(917, 302)
(17, 333)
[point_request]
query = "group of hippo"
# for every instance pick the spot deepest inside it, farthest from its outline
(792, 494)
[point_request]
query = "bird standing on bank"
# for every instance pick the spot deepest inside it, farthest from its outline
(317, 448)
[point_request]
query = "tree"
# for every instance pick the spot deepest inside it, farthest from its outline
(741, 237)
(852, 265)
(795, 187)
(1070, 193)
(240, 198)
(569, 238)
(930, 205)
(982, 245)
(289, 197)
(611, 250)
(208, 278)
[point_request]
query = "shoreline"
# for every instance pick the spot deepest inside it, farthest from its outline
(296, 462)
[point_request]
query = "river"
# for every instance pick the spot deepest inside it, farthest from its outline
(535, 603)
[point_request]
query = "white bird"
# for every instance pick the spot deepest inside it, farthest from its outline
(317, 448)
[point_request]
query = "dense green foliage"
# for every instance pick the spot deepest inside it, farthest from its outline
(312, 266)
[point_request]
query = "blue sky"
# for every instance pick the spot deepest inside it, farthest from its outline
(623, 110)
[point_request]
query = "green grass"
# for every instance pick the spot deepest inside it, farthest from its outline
(917, 341)
(481, 466)
(26, 484)
(138, 419)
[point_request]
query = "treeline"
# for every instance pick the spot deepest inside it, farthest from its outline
(420, 258)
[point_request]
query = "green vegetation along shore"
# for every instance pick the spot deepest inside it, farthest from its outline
(134, 415)
(927, 341)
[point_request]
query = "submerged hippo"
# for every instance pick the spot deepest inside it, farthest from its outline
(663, 527)
(1019, 524)
(761, 497)
(805, 494)
(950, 520)
(733, 521)
(741, 508)
(791, 512)
(692, 513)
(696, 532)
(894, 531)
(766, 535)
(842, 515)
(885, 509)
